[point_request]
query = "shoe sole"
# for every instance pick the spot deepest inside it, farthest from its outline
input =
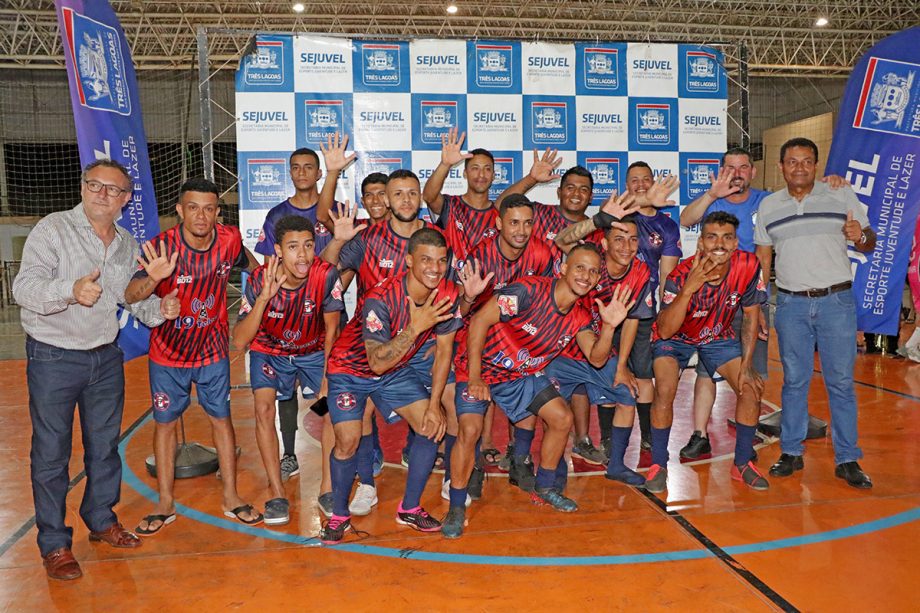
(417, 528)
(542, 503)
(756, 488)
(278, 521)
(855, 486)
(288, 478)
(587, 460)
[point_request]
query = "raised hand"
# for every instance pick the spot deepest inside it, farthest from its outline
(472, 280)
(851, 229)
(157, 264)
(544, 167)
(722, 185)
(170, 305)
(85, 289)
(271, 282)
(450, 148)
(702, 271)
(614, 312)
(343, 224)
(657, 194)
(430, 313)
(334, 152)
(620, 205)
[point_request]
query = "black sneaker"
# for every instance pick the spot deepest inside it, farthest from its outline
(521, 474)
(555, 499)
(585, 450)
(504, 463)
(452, 528)
(474, 485)
(334, 530)
(605, 449)
(417, 519)
(289, 467)
(697, 447)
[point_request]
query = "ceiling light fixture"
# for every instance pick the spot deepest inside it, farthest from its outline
(452, 9)
(298, 7)
(821, 22)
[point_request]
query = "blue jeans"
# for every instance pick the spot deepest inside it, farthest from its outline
(829, 322)
(60, 379)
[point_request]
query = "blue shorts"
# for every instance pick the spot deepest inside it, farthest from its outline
(518, 399)
(712, 355)
(283, 372)
(760, 348)
(348, 394)
(422, 365)
(568, 374)
(171, 386)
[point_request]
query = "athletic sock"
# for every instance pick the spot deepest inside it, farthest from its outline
(545, 477)
(365, 455)
(375, 432)
(744, 443)
(343, 475)
(660, 437)
(287, 415)
(523, 439)
(562, 474)
(605, 421)
(421, 460)
(410, 437)
(449, 441)
(458, 497)
(619, 441)
(644, 409)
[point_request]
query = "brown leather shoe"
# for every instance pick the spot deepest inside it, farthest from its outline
(60, 564)
(116, 536)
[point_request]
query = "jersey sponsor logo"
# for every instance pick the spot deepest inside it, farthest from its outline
(268, 371)
(373, 322)
(493, 66)
(668, 297)
(890, 99)
(337, 290)
(346, 401)
(702, 73)
(160, 401)
(550, 121)
(530, 329)
(385, 263)
(266, 65)
(507, 305)
(700, 313)
(601, 68)
(102, 81)
(183, 279)
(381, 64)
(654, 124)
(275, 315)
(308, 306)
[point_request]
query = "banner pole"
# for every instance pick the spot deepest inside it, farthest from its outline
(204, 100)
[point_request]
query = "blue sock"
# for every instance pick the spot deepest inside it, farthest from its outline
(457, 497)
(410, 436)
(366, 460)
(523, 439)
(744, 443)
(376, 435)
(660, 437)
(421, 461)
(343, 475)
(619, 441)
(449, 440)
(562, 474)
(545, 477)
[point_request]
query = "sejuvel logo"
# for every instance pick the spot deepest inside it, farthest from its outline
(653, 125)
(493, 66)
(381, 64)
(266, 65)
(702, 75)
(889, 101)
(101, 78)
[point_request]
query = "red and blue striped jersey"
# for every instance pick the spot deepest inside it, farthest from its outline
(536, 260)
(384, 315)
(530, 333)
(464, 226)
(712, 309)
(200, 335)
(548, 222)
(293, 322)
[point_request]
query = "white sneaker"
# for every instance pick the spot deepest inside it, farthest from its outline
(913, 353)
(365, 499)
(445, 493)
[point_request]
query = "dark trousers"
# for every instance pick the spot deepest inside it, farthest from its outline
(94, 381)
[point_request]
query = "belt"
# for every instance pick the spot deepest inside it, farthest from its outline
(817, 293)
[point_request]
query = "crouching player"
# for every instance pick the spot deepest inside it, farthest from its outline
(701, 297)
(290, 318)
(527, 324)
(371, 359)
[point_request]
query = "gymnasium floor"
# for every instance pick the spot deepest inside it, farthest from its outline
(809, 543)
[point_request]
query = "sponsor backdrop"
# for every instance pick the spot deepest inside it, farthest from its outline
(107, 114)
(602, 105)
(876, 147)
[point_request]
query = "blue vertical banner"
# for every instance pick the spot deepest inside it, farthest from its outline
(107, 114)
(876, 147)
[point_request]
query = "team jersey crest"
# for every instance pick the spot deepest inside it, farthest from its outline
(508, 305)
(373, 322)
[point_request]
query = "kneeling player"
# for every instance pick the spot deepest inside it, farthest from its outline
(701, 297)
(290, 318)
(371, 359)
(527, 324)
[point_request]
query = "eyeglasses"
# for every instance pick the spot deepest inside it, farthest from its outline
(112, 191)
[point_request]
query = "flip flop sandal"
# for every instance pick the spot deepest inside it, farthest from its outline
(164, 520)
(245, 508)
(491, 456)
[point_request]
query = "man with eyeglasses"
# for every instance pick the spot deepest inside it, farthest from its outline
(809, 225)
(75, 267)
